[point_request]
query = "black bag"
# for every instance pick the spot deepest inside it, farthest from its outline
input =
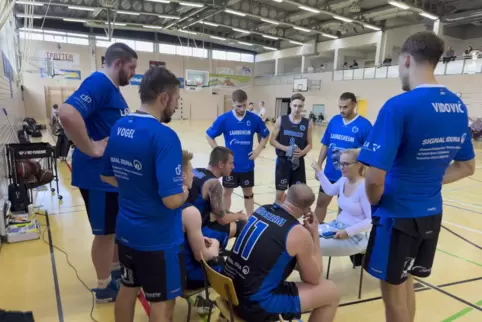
(18, 196)
(357, 260)
(23, 137)
(15, 316)
(36, 133)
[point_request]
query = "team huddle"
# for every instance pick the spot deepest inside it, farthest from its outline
(154, 217)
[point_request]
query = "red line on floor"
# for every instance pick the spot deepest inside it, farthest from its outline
(140, 297)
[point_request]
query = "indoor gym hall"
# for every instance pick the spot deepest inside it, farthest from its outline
(36, 275)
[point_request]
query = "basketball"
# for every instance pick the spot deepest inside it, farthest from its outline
(24, 169)
(31, 182)
(44, 177)
(35, 167)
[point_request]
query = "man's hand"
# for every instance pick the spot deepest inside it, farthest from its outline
(242, 216)
(98, 148)
(254, 154)
(341, 234)
(298, 153)
(311, 223)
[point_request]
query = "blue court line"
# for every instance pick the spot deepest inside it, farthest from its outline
(54, 272)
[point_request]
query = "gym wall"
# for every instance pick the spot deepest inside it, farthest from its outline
(10, 97)
(200, 104)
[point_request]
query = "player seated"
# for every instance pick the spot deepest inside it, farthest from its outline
(196, 246)
(206, 194)
(267, 250)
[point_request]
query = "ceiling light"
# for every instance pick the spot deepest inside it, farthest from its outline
(309, 9)
(233, 12)
(270, 48)
(74, 20)
(30, 3)
(428, 15)
(218, 38)
(329, 36)
(270, 21)
(22, 15)
(188, 32)
(209, 23)
(301, 29)
(399, 5)
(152, 27)
(241, 30)
(244, 43)
(81, 8)
(279, 1)
(296, 42)
(342, 18)
(371, 27)
(191, 4)
(116, 24)
(168, 17)
(270, 37)
(160, 1)
(128, 13)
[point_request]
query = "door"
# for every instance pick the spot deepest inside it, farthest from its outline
(56, 95)
(362, 108)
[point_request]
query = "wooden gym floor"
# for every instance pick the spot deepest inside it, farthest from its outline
(35, 275)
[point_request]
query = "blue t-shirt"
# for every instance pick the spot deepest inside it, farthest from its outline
(145, 157)
(340, 136)
(238, 136)
(415, 138)
(100, 103)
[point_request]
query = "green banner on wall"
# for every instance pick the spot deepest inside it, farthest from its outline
(226, 80)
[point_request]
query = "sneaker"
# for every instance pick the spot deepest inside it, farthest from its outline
(201, 305)
(108, 294)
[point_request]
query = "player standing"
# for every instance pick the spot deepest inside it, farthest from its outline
(409, 152)
(348, 130)
(144, 160)
(87, 117)
(292, 140)
(238, 127)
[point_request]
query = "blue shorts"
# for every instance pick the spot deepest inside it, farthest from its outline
(160, 273)
(284, 301)
(102, 209)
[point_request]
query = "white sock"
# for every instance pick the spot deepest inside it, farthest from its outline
(115, 266)
(104, 283)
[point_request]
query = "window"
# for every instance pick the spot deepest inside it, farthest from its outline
(69, 34)
(184, 51)
(200, 52)
(167, 49)
(233, 56)
(144, 46)
(128, 42)
(219, 54)
(55, 38)
(104, 43)
(78, 41)
(247, 58)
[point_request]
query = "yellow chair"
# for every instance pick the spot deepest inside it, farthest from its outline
(224, 286)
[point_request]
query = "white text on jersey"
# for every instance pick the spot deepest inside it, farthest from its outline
(128, 133)
(448, 107)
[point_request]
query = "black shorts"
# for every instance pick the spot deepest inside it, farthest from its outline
(321, 189)
(239, 179)
(102, 208)
(284, 301)
(160, 273)
(285, 176)
(401, 246)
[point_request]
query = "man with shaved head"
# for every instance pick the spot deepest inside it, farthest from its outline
(267, 250)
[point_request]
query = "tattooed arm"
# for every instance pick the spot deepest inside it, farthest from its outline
(216, 199)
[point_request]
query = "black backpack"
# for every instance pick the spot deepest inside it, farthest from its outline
(18, 196)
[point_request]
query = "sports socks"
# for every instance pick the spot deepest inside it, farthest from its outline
(104, 283)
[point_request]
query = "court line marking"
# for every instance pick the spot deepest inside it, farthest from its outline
(461, 237)
(457, 256)
(460, 313)
(60, 312)
(462, 227)
(464, 204)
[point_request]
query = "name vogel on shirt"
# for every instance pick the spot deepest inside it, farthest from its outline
(448, 107)
(127, 133)
(342, 137)
(240, 132)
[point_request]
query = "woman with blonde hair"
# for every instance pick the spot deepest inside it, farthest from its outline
(348, 233)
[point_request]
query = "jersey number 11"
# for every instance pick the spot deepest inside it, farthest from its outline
(252, 239)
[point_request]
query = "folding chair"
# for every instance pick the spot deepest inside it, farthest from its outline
(354, 266)
(227, 298)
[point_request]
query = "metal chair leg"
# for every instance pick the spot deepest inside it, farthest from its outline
(188, 310)
(328, 268)
(361, 278)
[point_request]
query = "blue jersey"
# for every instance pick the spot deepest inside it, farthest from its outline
(415, 138)
(100, 103)
(238, 136)
(145, 157)
(341, 135)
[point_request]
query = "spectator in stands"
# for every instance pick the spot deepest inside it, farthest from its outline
(449, 55)
(355, 64)
(387, 61)
(345, 65)
(53, 116)
(469, 50)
